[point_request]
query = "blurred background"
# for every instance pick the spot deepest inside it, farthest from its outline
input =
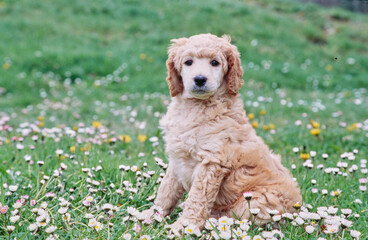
(100, 50)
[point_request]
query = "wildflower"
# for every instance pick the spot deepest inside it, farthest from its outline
(14, 219)
(346, 223)
(299, 221)
(248, 195)
(107, 206)
(225, 234)
(332, 210)
(136, 228)
(6, 65)
(51, 229)
(98, 226)
(127, 236)
(62, 210)
(32, 227)
(134, 168)
(32, 202)
(251, 116)
(10, 228)
(96, 124)
(276, 218)
(66, 217)
(336, 193)
(19, 146)
(314, 124)
(331, 229)
(297, 206)
(257, 237)
(262, 112)
(72, 149)
(272, 212)
(254, 211)
(50, 194)
(142, 56)
(3, 209)
(315, 131)
(309, 229)
(225, 221)
(125, 138)
(304, 156)
(355, 234)
(142, 138)
(192, 229)
(254, 124)
(145, 237)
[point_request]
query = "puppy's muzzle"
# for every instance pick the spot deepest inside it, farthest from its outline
(200, 80)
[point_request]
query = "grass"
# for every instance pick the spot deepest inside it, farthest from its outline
(68, 65)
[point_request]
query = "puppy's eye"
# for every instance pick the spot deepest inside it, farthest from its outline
(215, 63)
(188, 63)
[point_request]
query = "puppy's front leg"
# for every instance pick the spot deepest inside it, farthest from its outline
(202, 195)
(169, 192)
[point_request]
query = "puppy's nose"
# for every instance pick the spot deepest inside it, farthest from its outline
(200, 80)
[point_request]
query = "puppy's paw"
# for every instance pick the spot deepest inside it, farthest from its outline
(148, 213)
(177, 228)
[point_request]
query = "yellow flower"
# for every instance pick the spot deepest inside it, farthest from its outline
(251, 116)
(142, 56)
(314, 124)
(7, 141)
(6, 66)
(265, 127)
(329, 67)
(41, 124)
(125, 138)
(304, 156)
(315, 131)
(75, 128)
(255, 124)
(41, 118)
(352, 127)
(262, 112)
(271, 126)
(62, 157)
(83, 149)
(72, 149)
(142, 137)
(297, 205)
(96, 124)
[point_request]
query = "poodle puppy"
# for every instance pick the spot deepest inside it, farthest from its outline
(214, 152)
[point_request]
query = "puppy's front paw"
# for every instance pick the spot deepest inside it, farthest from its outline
(177, 228)
(148, 213)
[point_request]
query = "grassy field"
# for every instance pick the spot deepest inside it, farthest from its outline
(82, 87)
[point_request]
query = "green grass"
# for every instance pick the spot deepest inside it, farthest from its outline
(82, 61)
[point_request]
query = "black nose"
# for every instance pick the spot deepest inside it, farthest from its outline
(200, 80)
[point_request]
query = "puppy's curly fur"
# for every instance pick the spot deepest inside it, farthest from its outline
(214, 153)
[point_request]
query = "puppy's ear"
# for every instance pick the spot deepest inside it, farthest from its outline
(173, 78)
(233, 77)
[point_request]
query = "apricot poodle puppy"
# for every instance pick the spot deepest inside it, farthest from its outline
(214, 153)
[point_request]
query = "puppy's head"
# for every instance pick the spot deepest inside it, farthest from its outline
(202, 65)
